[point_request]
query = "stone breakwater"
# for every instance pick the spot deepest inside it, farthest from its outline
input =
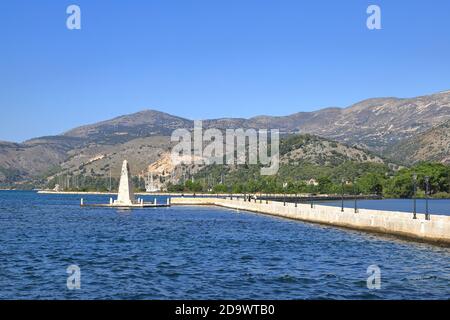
(435, 230)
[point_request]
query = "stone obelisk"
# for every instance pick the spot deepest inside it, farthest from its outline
(126, 193)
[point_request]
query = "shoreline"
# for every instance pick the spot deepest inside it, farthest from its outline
(192, 194)
(177, 194)
(162, 193)
(288, 197)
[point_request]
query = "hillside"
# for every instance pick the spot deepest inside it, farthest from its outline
(97, 160)
(302, 157)
(433, 146)
(374, 124)
(311, 149)
(128, 127)
(34, 157)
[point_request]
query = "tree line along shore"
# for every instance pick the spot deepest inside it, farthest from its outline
(423, 180)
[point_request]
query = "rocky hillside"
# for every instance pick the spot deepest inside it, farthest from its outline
(302, 157)
(146, 123)
(311, 149)
(374, 124)
(433, 145)
(139, 137)
(33, 158)
(99, 160)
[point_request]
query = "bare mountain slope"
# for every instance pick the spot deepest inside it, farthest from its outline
(97, 160)
(125, 128)
(375, 124)
(34, 157)
(433, 145)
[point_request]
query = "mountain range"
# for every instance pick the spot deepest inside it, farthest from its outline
(404, 130)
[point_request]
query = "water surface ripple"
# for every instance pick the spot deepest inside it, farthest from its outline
(200, 253)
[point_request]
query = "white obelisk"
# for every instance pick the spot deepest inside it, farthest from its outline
(126, 193)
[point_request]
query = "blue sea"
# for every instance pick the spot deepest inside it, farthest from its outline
(435, 206)
(201, 253)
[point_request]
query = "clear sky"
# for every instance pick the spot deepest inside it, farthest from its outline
(210, 58)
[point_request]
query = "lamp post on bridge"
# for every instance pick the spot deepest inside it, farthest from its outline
(342, 195)
(414, 196)
(356, 196)
(427, 191)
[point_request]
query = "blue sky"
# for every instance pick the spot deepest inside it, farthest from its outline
(210, 58)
